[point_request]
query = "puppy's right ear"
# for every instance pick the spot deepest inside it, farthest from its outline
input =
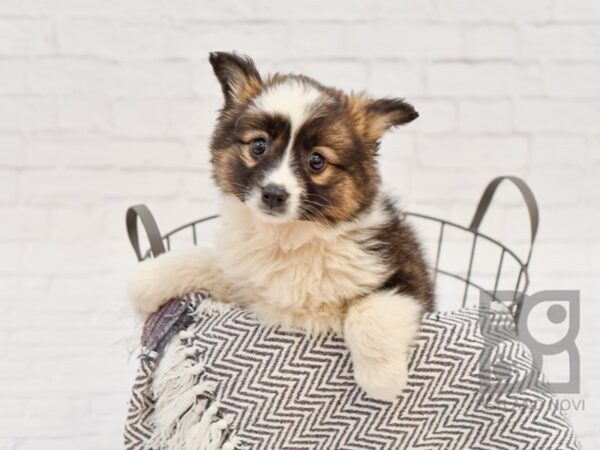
(240, 81)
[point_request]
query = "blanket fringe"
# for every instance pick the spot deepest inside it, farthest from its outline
(186, 414)
(234, 443)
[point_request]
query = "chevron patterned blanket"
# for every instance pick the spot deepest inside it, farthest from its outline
(212, 377)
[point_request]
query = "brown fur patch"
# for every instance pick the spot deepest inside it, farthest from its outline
(347, 199)
(247, 157)
(223, 163)
(372, 118)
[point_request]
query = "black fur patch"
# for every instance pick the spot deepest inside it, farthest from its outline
(397, 244)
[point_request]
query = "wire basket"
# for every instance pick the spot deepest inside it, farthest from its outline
(161, 243)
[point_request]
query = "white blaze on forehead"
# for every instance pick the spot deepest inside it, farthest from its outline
(294, 100)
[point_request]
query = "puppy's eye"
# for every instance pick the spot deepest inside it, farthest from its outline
(258, 146)
(316, 161)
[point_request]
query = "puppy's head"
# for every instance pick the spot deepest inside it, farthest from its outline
(290, 148)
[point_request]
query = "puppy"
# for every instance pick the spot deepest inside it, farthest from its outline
(308, 240)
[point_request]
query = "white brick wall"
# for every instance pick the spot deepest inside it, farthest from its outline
(104, 104)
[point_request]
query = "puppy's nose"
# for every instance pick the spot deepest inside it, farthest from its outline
(274, 195)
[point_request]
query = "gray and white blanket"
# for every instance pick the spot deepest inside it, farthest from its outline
(212, 377)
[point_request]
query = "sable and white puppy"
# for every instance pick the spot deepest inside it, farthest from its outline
(308, 240)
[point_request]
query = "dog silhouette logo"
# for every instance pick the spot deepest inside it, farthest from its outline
(502, 366)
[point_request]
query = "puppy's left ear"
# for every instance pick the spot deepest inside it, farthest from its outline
(240, 81)
(374, 117)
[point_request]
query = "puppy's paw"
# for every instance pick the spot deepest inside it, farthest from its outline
(147, 291)
(381, 379)
(379, 331)
(171, 275)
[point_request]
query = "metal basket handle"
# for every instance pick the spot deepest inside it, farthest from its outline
(152, 232)
(530, 203)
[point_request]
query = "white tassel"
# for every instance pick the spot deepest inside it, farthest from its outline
(193, 416)
(184, 335)
(189, 419)
(210, 306)
(173, 374)
(198, 435)
(171, 389)
(177, 380)
(215, 434)
(178, 406)
(169, 412)
(232, 443)
(163, 390)
(169, 373)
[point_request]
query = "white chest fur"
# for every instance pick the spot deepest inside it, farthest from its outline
(298, 274)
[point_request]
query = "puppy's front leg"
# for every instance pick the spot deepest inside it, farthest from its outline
(170, 275)
(379, 330)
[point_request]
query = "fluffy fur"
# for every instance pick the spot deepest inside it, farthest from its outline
(304, 244)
